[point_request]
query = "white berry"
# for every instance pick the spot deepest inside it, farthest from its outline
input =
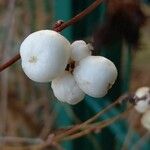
(143, 104)
(44, 55)
(145, 120)
(66, 89)
(79, 50)
(95, 75)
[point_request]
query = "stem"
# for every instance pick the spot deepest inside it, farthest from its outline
(95, 127)
(91, 129)
(75, 19)
(20, 141)
(40, 144)
(10, 62)
(79, 16)
(82, 125)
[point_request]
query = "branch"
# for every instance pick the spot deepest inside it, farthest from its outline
(79, 16)
(58, 29)
(94, 127)
(94, 118)
(87, 127)
(40, 144)
(20, 141)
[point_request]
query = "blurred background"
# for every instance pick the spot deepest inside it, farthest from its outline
(29, 109)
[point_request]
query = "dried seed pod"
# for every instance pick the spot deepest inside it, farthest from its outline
(66, 89)
(44, 55)
(95, 75)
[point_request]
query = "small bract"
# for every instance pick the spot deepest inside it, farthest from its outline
(145, 120)
(79, 50)
(95, 75)
(44, 55)
(66, 89)
(143, 104)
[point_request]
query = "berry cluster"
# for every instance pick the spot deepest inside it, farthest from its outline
(45, 55)
(143, 105)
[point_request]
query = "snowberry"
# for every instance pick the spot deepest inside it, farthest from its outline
(79, 50)
(66, 89)
(143, 104)
(145, 120)
(95, 75)
(44, 55)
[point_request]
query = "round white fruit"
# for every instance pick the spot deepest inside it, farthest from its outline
(66, 89)
(143, 104)
(44, 55)
(145, 120)
(79, 50)
(95, 75)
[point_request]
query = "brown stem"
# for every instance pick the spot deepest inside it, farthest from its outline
(58, 29)
(82, 125)
(92, 128)
(40, 144)
(79, 16)
(8, 140)
(96, 127)
(10, 62)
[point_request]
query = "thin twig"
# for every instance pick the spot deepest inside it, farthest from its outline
(6, 46)
(52, 141)
(58, 29)
(91, 129)
(96, 126)
(20, 141)
(79, 16)
(10, 62)
(82, 125)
